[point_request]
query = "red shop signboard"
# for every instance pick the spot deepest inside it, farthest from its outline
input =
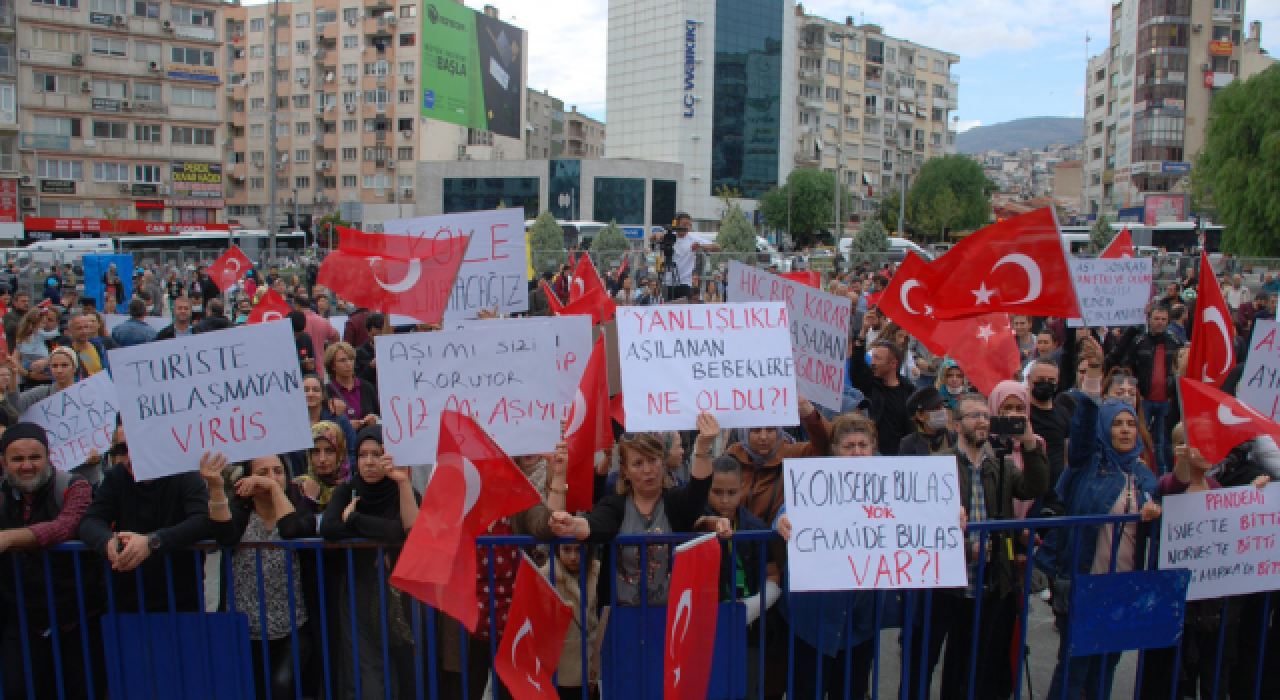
(127, 226)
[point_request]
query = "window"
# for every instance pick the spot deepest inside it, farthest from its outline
(350, 154)
(407, 11)
(350, 70)
(112, 89)
(192, 97)
(376, 68)
(57, 3)
(407, 68)
(349, 181)
(301, 101)
(302, 155)
(851, 123)
(302, 182)
(855, 71)
(404, 153)
(57, 126)
(52, 82)
(350, 14)
(1097, 154)
(282, 75)
(871, 126)
(939, 66)
(350, 126)
(935, 139)
(938, 114)
(805, 117)
(191, 56)
(104, 46)
(351, 42)
(50, 40)
(257, 103)
(833, 66)
(146, 51)
(405, 97)
(833, 94)
(302, 46)
(378, 96)
(282, 50)
(148, 174)
(115, 7)
(150, 10)
(190, 15)
(146, 132)
(257, 77)
(302, 74)
(257, 25)
(192, 136)
(257, 131)
(111, 172)
(302, 19)
(257, 183)
(110, 130)
(379, 181)
(855, 45)
(405, 125)
(1098, 101)
(60, 169)
(404, 182)
(302, 128)
(408, 39)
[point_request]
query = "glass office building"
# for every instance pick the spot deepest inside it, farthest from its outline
(746, 133)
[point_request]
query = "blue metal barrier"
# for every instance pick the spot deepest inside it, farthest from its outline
(344, 641)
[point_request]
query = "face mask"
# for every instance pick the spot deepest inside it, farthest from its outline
(1128, 400)
(937, 420)
(1043, 390)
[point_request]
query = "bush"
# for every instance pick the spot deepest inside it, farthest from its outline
(546, 242)
(608, 247)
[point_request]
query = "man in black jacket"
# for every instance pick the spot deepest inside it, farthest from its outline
(213, 320)
(1150, 357)
(181, 320)
(140, 524)
(883, 387)
(366, 357)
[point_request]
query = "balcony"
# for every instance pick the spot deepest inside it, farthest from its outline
(809, 102)
(906, 93)
(874, 84)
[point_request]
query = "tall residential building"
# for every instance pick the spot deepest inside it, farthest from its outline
(1148, 95)
(586, 135)
(543, 125)
(10, 210)
(741, 92)
(349, 101)
(121, 109)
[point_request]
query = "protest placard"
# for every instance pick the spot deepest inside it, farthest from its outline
(819, 329)
(502, 375)
(874, 523)
(1112, 292)
(1260, 381)
(236, 391)
(78, 420)
(573, 349)
(732, 360)
(495, 272)
(1228, 538)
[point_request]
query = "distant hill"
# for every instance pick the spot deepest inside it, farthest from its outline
(1032, 132)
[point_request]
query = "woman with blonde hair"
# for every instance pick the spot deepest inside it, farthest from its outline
(360, 397)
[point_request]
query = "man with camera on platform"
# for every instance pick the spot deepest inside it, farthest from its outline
(679, 257)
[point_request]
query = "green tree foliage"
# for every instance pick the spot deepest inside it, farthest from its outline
(608, 246)
(546, 241)
(736, 234)
(1100, 236)
(967, 206)
(937, 214)
(812, 195)
(1239, 167)
(325, 229)
(871, 238)
(887, 213)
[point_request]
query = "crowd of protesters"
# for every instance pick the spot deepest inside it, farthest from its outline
(1100, 435)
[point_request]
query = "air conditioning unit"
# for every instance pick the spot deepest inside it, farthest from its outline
(848, 109)
(78, 59)
(362, 15)
(154, 66)
(124, 188)
(351, 108)
(322, 165)
(164, 190)
(304, 82)
(1197, 27)
(86, 86)
(407, 77)
(259, 164)
(407, 135)
(28, 202)
(391, 165)
(351, 23)
(167, 25)
(119, 21)
(1205, 67)
(26, 181)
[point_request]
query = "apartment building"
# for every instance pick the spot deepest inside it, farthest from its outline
(347, 112)
(120, 109)
(543, 125)
(10, 211)
(585, 135)
(1148, 96)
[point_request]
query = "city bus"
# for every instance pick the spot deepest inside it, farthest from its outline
(191, 247)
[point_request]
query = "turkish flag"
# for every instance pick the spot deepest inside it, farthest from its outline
(229, 268)
(691, 619)
(553, 301)
(587, 295)
(1120, 247)
(983, 346)
(271, 307)
(1217, 422)
(1017, 266)
(589, 429)
(811, 278)
(617, 411)
(1213, 335)
(536, 625)
(908, 302)
(394, 274)
(474, 484)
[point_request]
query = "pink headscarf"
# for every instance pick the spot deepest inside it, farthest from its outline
(1002, 391)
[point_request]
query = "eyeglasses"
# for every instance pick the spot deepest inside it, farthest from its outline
(976, 415)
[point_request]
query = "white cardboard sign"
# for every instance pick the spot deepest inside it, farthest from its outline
(1228, 538)
(503, 376)
(77, 420)
(819, 329)
(573, 349)
(1260, 381)
(1113, 292)
(236, 391)
(864, 523)
(732, 360)
(495, 272)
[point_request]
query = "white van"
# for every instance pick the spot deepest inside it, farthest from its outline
(63, 251)
(898, 248)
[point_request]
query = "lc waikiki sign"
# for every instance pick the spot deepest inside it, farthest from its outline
(690, 64)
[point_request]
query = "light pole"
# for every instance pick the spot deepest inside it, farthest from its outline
(274, 158)
(902, 206)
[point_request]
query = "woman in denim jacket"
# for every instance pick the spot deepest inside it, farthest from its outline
(1104, 476)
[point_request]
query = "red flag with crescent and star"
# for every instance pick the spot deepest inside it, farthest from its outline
(587, 295)
(407, 275)
(1120, 247)
(229, 268)
(271, 307)
(1213, 337)
(474, 484)
(1216, 422)
(589, 429)
(553, 301)
(692, 606)
(536, 625)
(1017, 266)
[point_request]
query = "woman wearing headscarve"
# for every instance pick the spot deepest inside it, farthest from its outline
(1104, 476)
(379, 504)
(327, 464)
(951, 383)
(761, 451)
(63, 365)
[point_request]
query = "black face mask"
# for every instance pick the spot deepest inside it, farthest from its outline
(1043, 390)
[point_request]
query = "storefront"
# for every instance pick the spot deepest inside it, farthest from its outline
(44, 228)
(197, 192)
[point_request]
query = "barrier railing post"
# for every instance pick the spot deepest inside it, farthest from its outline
(55, 633)
(262, 624)
(388, 678)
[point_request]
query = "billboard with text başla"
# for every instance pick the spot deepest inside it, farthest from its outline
(472, 69)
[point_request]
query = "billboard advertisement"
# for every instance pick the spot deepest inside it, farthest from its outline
(191, 179)
(1159, 208)
(472, 69)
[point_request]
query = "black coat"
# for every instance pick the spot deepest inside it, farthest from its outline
(1136, 350)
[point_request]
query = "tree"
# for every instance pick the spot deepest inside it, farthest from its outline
(887, 212)
(1239, 166)
(968, 185)
(809, 195)
(726, 195)
(937, 213)
(736, 234)
(871, 238)
(546, 241)
(325, 229)
(608, 246)
(1100, 236)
